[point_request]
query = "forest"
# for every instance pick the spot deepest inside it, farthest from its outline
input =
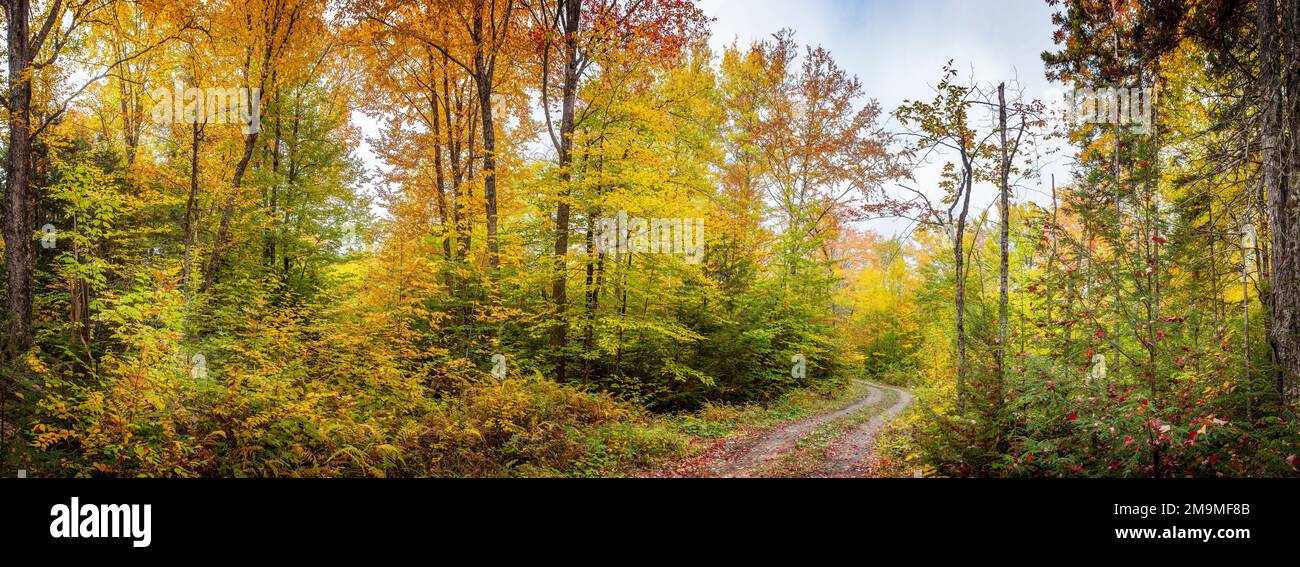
(583, 241)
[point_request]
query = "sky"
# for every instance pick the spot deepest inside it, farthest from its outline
(897, 49)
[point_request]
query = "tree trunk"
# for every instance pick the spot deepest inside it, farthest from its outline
(191, 201)
(290, 182)
(227, 210)
(572, 20)
(960, 301)
(271, 234)
(1286, 280)
(1119, 222)
(483, 72)
(19, 205)
(453, 160)
(1051, 261)
(439, 175)
(1285, 295)
(1005, 201)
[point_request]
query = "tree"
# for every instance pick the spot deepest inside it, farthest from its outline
(585, 37)
(30, 54)
(944, 124)
(486, 31)
(279, 31)
(824, 160)
(1008, 150)
(1280, 164)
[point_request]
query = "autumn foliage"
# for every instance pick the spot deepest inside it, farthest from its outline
(399, 271)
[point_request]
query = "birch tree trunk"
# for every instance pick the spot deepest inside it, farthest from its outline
(1005, 223)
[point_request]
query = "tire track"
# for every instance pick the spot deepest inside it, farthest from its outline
(848, 454)
(758, 456)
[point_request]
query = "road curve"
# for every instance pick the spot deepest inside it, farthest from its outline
(848, 452)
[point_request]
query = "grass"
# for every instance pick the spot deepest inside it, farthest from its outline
(896, 447)
(718, 421)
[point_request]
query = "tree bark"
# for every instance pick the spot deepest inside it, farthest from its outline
(1285, 295)
(1286, 280)
(436, 102)
(19, 205)
(1005, 225)
(227, 210)
(484, 69)
(572, 20)
(191, 202)
(959, 236)
(1051, 261)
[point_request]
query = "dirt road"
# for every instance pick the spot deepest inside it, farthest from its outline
(847, 453)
